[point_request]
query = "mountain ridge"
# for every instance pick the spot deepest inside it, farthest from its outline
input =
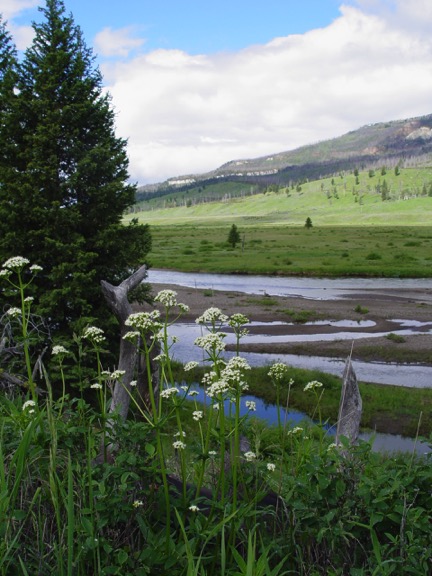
(394, 142)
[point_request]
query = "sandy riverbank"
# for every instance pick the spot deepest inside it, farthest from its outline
(381, 309)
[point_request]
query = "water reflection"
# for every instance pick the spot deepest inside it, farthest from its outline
(315, 288)
(410, 375)
(269, 413)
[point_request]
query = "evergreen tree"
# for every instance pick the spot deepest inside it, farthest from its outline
(8, 79)
(65, 187)
(233, 236)
(308, 223)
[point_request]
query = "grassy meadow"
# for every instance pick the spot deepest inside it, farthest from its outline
(354, 231)
(279, 250)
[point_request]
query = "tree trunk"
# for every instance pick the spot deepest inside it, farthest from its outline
(117, 299)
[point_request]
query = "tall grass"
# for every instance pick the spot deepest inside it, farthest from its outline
(184, 488)
(274, 249)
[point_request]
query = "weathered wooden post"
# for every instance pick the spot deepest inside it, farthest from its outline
(350, 407)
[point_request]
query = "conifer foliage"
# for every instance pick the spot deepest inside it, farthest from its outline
(63, 172)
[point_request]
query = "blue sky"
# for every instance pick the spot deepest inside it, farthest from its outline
(195, 84)
(199, 26)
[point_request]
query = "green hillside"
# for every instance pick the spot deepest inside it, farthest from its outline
(381, 197)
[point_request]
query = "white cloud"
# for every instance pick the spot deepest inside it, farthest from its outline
(22, 35)
(119, 42)
(10, 8)
(186, 114)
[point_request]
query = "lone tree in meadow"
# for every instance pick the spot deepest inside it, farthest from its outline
(64, 173)
(233, 236)
(308, 223)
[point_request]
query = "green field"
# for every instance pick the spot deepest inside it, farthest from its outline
(355, 232)
(283, 250)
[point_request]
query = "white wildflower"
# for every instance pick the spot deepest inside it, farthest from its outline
(145, 321)
(278, 371)
(16, 263)
(212, 453)
(295, 431)
(251, 405)
(193, 393)
(212, 316)
(28, 299)
(238, 320)
(194, 508)
(96, 386)
(5, 273)
(58, 350)
(183, 307)
(138, 503)
(168, 392)
(250, 456)
(218, 388)
(179, 445)
(167, 297)
(36, 268)
(190, 366)
(132, 383)
(197, 415)
(211, 342)
(271, 467)
(181, 434)
(131, 336)
(117, 374)
(29, 404)
(14, 312)
(94, 334)
(313, 385)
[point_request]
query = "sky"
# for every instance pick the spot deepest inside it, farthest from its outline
(196, 83)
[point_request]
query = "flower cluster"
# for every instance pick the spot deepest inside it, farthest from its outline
(271, 467)
(250, 456)
(278, 371)
(211, 342)
(29, 406)
(313, 385)
(167, 297)
(116, 375)
(236, 322)
(168, 392)
(59, 350)
(132, 336)
(212, 316)
(14, 312)
(16, 263)
(96, 386)
(190, 366)
(197, 415)
(179, 445)
(94, 334)
(251, 405)
(295, 431)
(145, 321)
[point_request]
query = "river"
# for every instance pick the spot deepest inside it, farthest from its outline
(314, 288)
(418, 376)
(311, 288)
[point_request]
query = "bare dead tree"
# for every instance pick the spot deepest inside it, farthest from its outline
(117, 299)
